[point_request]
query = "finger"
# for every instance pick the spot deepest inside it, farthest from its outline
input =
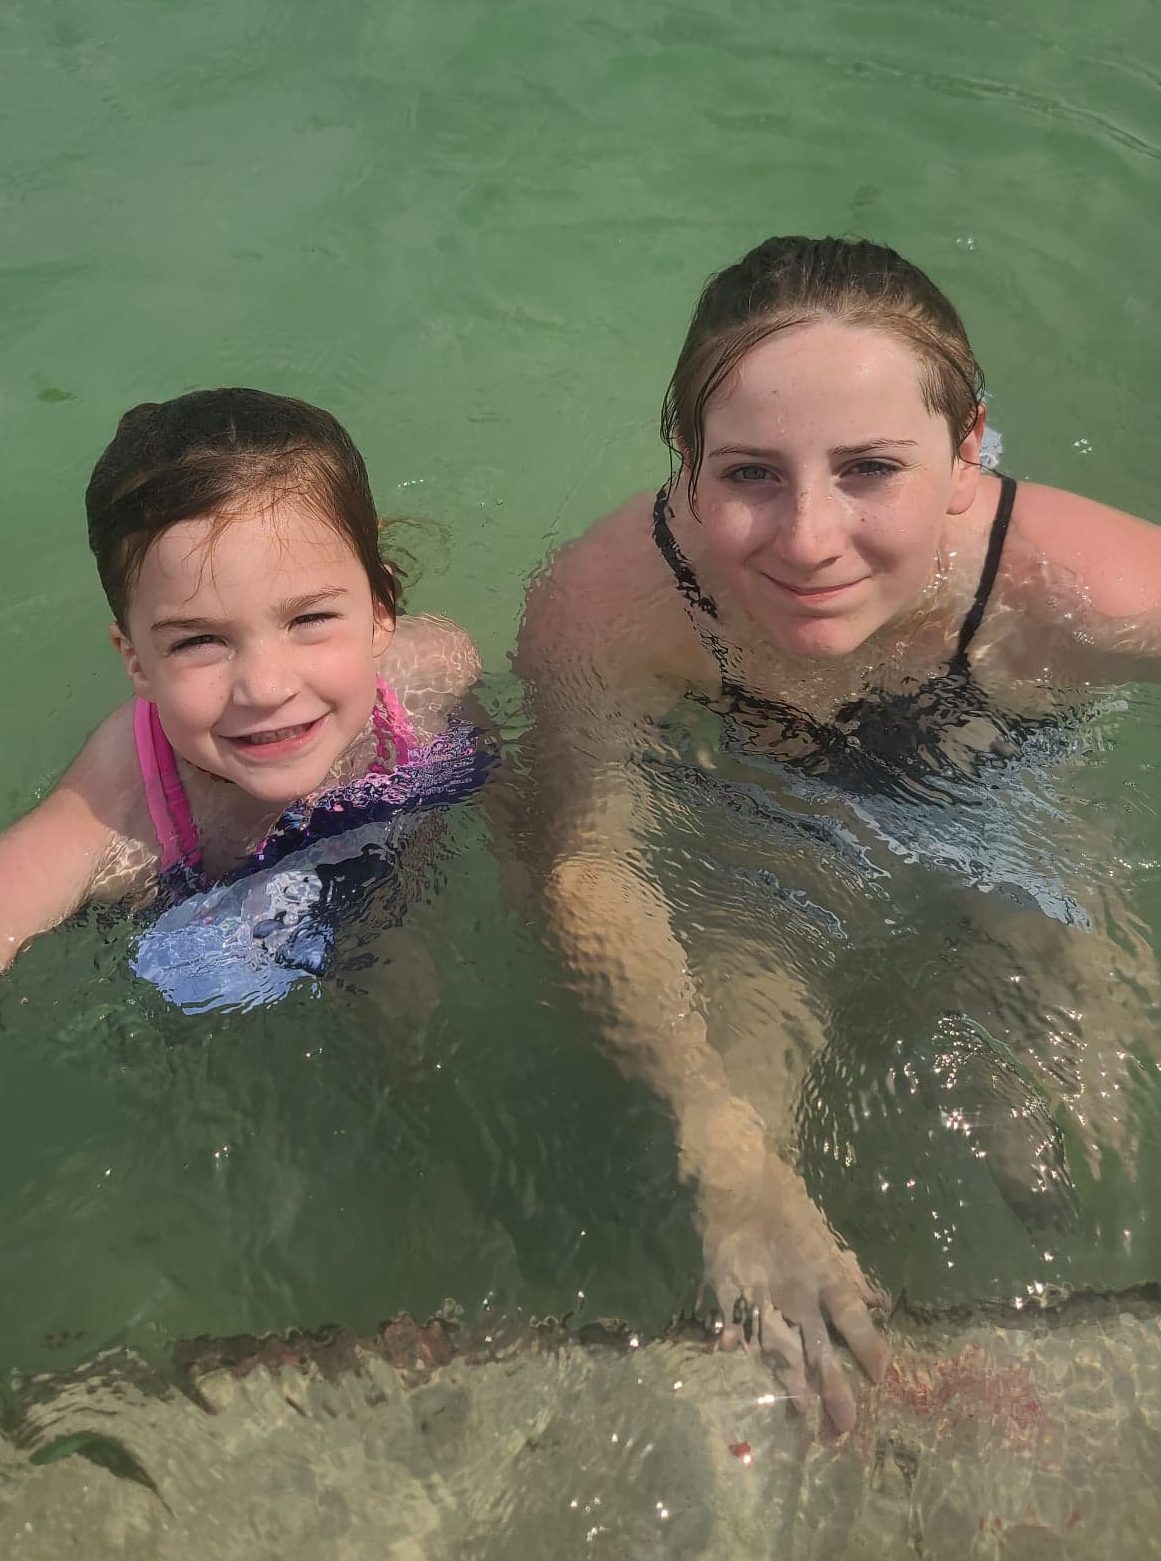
(731, 1337)
(852, 1322)
(780, 1339)
(871, 1294)
(836, 1392)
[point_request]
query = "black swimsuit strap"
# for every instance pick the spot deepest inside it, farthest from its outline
(996, 539)
(680, 566)
(698, 605)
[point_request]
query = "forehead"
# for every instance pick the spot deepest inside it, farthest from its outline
(272, 550)
(824, 374)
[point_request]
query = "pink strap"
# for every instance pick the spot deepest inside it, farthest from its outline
(397, 725)
(165, 797)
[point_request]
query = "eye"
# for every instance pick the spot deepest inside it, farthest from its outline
(312, 618)
(750, 474)
(195, 642)
(873, 468)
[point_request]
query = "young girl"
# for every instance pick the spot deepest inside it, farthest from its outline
(877, 626)
(285, 719)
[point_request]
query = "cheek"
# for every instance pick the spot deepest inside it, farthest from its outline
(902, 540)
(731, 528)
(344, 675)
(192, 699)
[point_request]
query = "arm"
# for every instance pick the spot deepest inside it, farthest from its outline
(1089, 578)
(764, 1240)
(583, 831)
(58, 856)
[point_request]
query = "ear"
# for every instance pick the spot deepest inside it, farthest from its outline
(966, 473)
(382, 632)
(123, 645)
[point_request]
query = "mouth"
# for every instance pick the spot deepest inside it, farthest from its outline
(813, 595)
(276, 742)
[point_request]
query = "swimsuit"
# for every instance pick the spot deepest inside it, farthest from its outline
(246, 938)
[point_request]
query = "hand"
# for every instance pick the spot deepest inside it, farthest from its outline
(769, 1249)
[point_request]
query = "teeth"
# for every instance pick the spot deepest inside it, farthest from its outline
(258, 739)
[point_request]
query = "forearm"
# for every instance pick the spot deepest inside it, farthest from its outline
(30, 905)
(46, 873)
(614, 933)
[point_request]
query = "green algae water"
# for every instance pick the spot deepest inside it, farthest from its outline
(474, 229)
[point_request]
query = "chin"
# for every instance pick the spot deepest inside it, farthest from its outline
(278, 787)
(823, 639)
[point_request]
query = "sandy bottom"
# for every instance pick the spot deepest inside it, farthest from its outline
(993, 1435)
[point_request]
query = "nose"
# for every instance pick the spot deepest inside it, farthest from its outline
(264, 676)
(809, 535)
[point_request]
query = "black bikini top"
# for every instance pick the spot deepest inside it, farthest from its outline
(873, 742)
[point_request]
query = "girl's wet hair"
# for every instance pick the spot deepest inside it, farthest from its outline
(794, 281)
(207, 454)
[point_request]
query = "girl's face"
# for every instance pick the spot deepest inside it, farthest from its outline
(257, 639)
(826, 486)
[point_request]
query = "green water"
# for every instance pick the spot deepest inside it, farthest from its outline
(474, 231)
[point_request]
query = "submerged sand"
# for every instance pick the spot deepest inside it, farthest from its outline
(995, 1434)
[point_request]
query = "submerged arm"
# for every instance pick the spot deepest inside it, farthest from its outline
(586, 834)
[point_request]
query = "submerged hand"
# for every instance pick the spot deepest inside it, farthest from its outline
(781, 1277)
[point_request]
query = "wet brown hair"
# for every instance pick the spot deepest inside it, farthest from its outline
(793, 281)
(204, 454)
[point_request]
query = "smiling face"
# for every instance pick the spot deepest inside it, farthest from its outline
(826, 486)
(258, 639)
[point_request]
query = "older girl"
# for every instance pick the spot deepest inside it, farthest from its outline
(864, 610)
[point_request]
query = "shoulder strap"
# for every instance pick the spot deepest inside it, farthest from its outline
(169, 809)
(392, 721)
(996, 538)
(697, 604)
(679, 565)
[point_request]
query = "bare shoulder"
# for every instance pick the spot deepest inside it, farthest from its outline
(431, 663)
(106, 774)
(103, 787)
(1113, 558)
(605, 596)
(591, 578)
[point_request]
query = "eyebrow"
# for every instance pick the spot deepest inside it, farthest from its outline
(288, 609)
(843, 451)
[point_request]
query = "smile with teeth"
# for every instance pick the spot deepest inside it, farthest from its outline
(281, 734)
